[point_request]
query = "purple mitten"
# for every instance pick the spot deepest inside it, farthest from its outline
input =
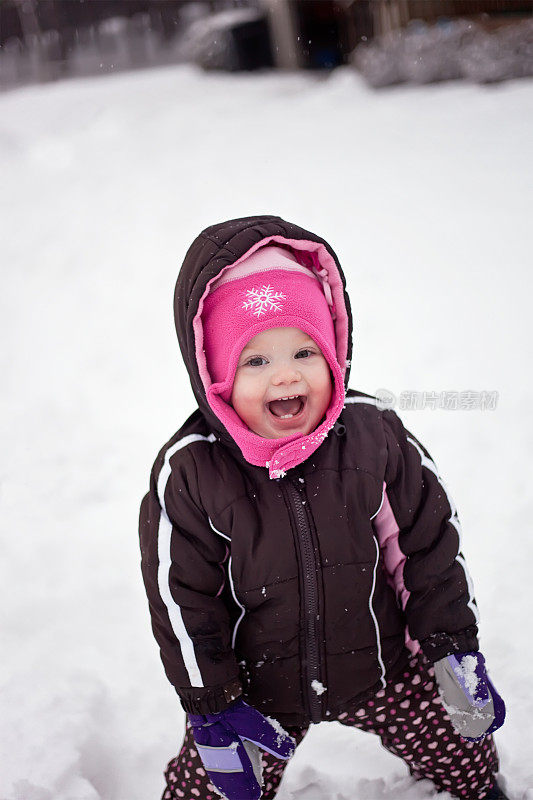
(474, 706)
(227, 744)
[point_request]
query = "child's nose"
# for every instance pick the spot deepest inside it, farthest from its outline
(286, 374)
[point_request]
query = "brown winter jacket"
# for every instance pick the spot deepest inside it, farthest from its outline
(296, 592)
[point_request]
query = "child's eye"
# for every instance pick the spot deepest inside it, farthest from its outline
(256, 361)
(305, 353)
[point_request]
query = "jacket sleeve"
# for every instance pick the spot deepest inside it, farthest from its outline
(431, 576)
(184, 567)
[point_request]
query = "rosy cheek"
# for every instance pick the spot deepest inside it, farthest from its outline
(248, 396)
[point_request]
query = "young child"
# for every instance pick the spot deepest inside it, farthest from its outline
(300, 552)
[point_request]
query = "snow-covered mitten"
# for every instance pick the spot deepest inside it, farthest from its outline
(474, 706)
(228, 745)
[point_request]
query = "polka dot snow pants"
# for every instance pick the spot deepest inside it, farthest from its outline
(411, 722)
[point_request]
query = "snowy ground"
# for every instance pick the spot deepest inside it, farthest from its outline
(426, 194)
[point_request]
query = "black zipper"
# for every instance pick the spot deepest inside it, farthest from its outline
(311, 602)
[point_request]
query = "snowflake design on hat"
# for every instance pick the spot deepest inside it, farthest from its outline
(263, 299)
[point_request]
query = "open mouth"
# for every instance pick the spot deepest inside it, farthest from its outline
(287, 407)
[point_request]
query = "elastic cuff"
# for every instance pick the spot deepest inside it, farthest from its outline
(439, 645)
(210, 700)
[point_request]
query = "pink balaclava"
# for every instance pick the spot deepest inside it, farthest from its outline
(268, 289)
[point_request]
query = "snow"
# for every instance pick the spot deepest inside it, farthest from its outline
(282, 735)
(318, 687)
(467, 669)
(426, 195)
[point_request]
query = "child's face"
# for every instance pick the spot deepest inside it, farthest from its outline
(281, 363)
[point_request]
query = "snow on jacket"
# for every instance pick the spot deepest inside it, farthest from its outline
(306, 592)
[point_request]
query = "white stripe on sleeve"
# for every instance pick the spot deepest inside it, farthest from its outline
(163, 573)
(372, 401)
(454, 520)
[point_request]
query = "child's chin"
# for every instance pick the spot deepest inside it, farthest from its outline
(281, 432)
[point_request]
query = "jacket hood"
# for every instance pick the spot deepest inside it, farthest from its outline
(221, 246)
